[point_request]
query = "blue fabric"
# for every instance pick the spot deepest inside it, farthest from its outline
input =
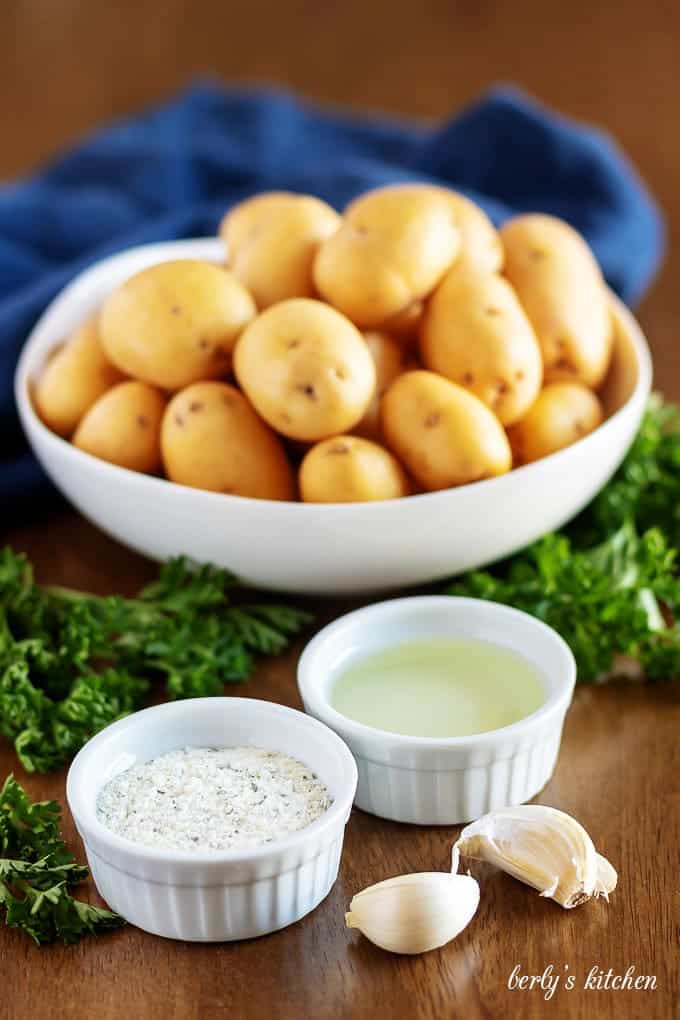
(172, 171)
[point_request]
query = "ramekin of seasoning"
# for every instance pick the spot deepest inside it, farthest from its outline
(213, 819)
(452, 707)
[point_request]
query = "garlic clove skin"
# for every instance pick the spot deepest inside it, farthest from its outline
(543, 847)
(414, 913)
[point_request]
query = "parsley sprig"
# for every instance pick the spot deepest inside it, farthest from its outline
(37, 873)
(71, 662)
(609, 582)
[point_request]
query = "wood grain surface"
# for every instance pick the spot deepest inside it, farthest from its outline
(67, 65)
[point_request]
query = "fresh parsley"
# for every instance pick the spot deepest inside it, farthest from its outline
(71, 663)
(608, 582)
(37, 872)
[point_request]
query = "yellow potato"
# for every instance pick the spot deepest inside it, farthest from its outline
(475, 333)
(74, 377)
(392, 248)
(562, 413)
(175, 323)
(240, 219)
(306, 369)
(212, 439)
(391, 359)
(123, 427)
(561, 288)
(271, 243)
(442, 434)
(480, 244)
(348, 469)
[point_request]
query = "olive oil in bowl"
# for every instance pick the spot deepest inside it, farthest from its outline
(439, 687)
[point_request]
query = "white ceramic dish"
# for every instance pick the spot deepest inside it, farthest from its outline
(211, 896)
(432, 781)
(335, 548)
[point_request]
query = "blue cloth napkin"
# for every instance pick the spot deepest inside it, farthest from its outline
(172, 172)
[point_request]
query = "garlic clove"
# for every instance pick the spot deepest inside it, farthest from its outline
(414, 913)
(606, 878)
(543, 847)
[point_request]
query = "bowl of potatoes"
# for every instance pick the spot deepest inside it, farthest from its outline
(338, 403)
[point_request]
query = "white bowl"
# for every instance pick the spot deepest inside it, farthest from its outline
(334, 548)
(212, 896)
(433, 781)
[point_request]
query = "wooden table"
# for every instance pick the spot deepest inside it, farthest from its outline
(67, 66)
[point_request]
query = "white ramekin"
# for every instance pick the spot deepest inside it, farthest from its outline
(212, 896)
(432, 781)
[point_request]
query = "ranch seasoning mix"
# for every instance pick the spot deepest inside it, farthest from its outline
(206, 798)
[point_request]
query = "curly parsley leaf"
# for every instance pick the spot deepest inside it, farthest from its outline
(71, 663)
(94, 702)
(28, 829)
(37, 872)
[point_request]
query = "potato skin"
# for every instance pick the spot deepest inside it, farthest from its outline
(561, 289)
(123, 427)
(480, 243)
(175, 323)
(212, 439)
(476, 333)
(238, 221)
(562, 413)
(442, 434)
(73, 378)
(391, 250)
(272, 240)
(349, 469)
(391, 358)
(306, 369)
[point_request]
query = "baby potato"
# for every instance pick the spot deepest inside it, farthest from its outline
(391, 250)
(241, 218)
(123, 427)
(306, 369)
(391, 359)
(480, 244)
(348, 469)
(443, 435)
(476, 333)
(271, 242)
(562, 413)
(175, 323)
(561, 288)
(212, 439)
(73, 378)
